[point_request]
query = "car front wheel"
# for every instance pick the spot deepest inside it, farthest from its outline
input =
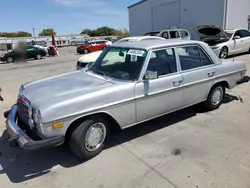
(87, 139)
(215, 97)
(10, 60)
(224, 53)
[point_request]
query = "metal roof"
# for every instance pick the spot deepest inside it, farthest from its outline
(135, 4)
(151, 44)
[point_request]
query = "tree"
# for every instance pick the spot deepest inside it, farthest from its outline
(106, 31)
(15, 34)
(122, 33)
(47, 32)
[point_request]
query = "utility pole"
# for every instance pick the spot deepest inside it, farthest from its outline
(34, 34)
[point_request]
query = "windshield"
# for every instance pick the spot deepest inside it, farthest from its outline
(229, 34)
(120, 63)
(152, 34)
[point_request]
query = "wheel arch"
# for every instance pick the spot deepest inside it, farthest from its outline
(223, 82)
(114, 125)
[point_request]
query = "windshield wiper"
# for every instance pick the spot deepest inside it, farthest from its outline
(101, 73)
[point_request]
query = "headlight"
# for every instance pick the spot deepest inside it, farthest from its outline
(2, 55)
(37, 117)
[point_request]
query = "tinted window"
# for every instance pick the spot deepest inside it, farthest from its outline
(174, 34)
(204, 58)
(165, 35)
(189, 57)
(162, 61)
(184, 33)
(237, 33)
(244, 33)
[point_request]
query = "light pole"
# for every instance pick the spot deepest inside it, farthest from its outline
(34, 35)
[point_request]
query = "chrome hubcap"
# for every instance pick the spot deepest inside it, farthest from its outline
(95, 136)
(217, 96)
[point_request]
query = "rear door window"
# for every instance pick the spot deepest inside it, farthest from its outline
(189, 57)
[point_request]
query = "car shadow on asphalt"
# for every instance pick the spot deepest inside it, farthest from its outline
(21, 166)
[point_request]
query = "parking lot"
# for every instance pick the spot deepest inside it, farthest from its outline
(185, 149)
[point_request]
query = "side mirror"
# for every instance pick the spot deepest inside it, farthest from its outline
(151, 75)
(236, 37)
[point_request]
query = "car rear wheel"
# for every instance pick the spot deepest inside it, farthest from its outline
(87, 139)
(224, 53)
(215, 97)
(85, 51)
(38, 56)
(10, 60)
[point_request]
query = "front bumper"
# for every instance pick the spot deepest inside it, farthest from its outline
(18, 137)
(243, 80)
(217, 51)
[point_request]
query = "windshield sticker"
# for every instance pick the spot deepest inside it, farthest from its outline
(140, 53)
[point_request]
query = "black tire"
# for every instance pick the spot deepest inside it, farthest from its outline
(77, 139)
(209, 104)
(10, 59)
(85, 51)
(223, 53)
(38, 56)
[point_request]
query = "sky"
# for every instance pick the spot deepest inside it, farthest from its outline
(64, 16)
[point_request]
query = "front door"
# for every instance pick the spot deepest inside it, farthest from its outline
(245, 38)
(198, 72)
(239, 45)
(164, 94)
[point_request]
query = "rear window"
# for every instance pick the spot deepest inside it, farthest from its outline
(152, 34)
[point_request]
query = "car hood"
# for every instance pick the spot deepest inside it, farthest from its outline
(211, 32)
(62, 88)
(89, 58)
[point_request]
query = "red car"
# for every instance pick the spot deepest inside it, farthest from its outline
(92, 46)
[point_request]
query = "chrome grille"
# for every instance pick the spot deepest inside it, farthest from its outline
(23, 112)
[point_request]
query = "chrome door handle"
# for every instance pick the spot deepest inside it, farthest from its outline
(210, 74)
(177, 83)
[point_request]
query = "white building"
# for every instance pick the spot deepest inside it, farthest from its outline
(148, 15)
(63, 40)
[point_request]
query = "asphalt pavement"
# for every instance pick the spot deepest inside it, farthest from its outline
(186, 149)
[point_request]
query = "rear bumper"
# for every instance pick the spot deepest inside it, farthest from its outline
(19, 138)
(243, 80)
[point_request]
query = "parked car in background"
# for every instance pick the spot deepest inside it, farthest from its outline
(131, 82)
(171, 34)
(224, 43)
(90, 58)
(30, 52)
(92, 46)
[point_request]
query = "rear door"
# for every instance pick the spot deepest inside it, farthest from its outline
(198, 72)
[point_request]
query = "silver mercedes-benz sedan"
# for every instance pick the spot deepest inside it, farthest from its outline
(128, 84)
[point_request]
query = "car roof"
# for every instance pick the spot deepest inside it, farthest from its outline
(150, 44)
(141, 37)
(97, 40)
